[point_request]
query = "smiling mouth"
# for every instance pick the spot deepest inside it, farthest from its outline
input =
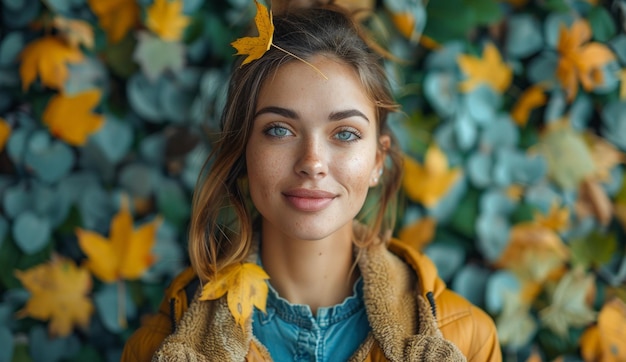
(309, 200)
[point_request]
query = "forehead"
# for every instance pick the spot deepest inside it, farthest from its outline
(323, 81)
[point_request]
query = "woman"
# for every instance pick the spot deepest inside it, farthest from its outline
(305, 141)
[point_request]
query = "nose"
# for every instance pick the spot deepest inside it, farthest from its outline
(311, 159)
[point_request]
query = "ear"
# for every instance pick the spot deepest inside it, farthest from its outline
(384, 142)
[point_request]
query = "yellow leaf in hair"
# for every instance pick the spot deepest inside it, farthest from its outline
(429, 182)
(58, 293)
(166, 19)
(246, 288)
(5, 132)
(116, 17)
(255, 47)
(70, 117)
(47, 58)
(490, 70)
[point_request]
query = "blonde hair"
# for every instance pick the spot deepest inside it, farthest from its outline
(223, 219)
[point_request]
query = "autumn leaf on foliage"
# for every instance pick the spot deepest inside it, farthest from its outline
(515, 324)
(255, 47)
(5, 133)
(593, 201)
(116, 17)
(70, 117)
(581, 60)
(570, 303)
(533, 251)
(419, 233)
(606, 340)
(429, 182)
(557, 218)
(605, 156)
(75, 32)
(47, 58)
(490, 70)
(246, 288)
(532, 98)
(58, 293)
(165, 18)
(126, 254)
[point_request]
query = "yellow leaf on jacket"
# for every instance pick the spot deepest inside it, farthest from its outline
(165, 18)
(605, 341)
(75, 32)
(47, 58)
(428, 183)
(5, 133)
(490, 70)
(70, 117)
(532, 98)
(255, 47)
(116, 17)
(246, 288)
(580, 60)
(58, 293)
(126, 254)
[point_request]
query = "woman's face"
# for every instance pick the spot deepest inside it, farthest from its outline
(313, 151)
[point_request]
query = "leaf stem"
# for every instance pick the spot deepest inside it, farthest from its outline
(297, 57)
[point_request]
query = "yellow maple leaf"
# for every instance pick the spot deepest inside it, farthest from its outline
(165, 18)
(70, 117)
(58, 293)
(419, 233)
(128, 252)
(557, 218)
(533, 252)
(605, 341)
(532, 98)
(47, 58)
(116, 17)
(428, 183)
(490, 70)
(580, 60)
(75, 32)
(5, 133)
(255, 47)
(245, 285)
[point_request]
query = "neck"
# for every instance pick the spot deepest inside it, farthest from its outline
(317, 273)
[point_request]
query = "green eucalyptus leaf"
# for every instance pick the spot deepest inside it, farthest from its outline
(119, 57)
(495, 202)
(108, 305)
(51, 203)
(445, 58)
(479, 166)
(31, 232)
(194, 161)
(114, 139)
(50, 160)
(448, 20)
(172, 202)
(614, 123)
(464, 216)
(465, 130)
(45, 349)
(88, 74)
(152, 148)
(75, 184)
(19, 13)
(59, 6)
(493, 235)
(482, 103)
(176, 101)
(602, 25)
(139, 179)
(96, 208)
(502, 133)
(155, 55)
(6, 344)
(445, 209)
(169, 255)
(499, 283)
(485, 11)
(143, 97)
(524, 37)
(448, 256)
(594, 250)
(10, 48)
(470, 282)
(16, 199)
(618, 45)
(440, 88)
(542, 68)
(16, 145)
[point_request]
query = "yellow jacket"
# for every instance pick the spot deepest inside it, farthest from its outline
(413, 316)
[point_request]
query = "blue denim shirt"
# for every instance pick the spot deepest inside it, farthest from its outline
(292, 333)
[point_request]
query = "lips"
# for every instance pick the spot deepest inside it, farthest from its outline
(309, 200)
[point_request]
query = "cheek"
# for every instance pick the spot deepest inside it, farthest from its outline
(263, 170)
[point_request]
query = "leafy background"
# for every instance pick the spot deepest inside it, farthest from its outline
(514, 126)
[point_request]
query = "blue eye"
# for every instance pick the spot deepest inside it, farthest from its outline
(347, 136)
(278, 131)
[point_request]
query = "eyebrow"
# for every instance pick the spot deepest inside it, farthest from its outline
(289, 113)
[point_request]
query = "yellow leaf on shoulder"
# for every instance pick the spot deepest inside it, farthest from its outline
(47, 58)
(59, 294)
(246, 288)
(166, 19)
(70, 117)
(255, 47)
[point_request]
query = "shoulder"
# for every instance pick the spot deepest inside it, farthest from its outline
(146, 339)
(464, 324)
